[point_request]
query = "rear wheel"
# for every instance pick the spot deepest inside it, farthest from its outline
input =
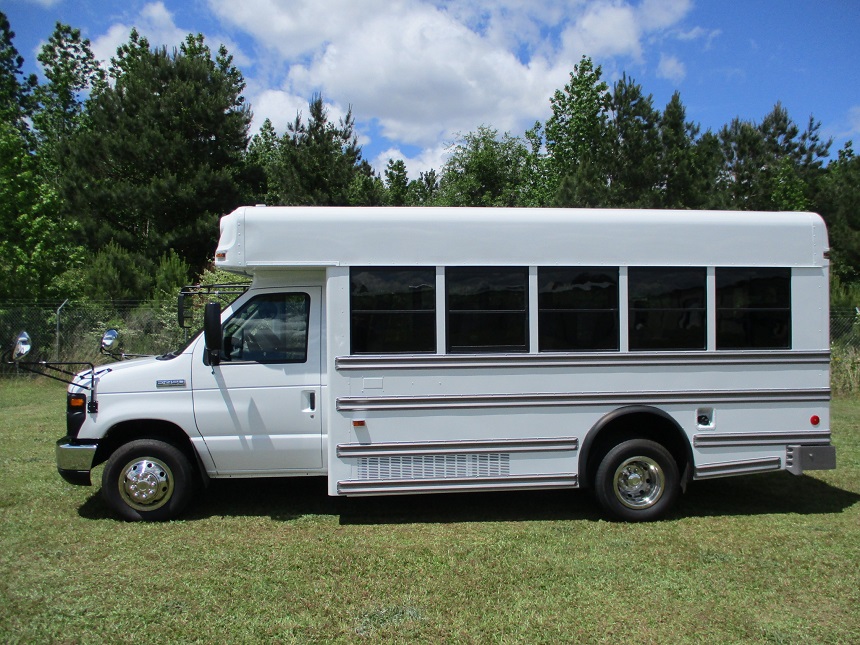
(637, 481)
(148, 480)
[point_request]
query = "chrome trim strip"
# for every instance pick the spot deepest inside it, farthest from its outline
(737, 468)
(811, 437)
(458, 401)
(475, 484)
(403, 449)
(590, 360)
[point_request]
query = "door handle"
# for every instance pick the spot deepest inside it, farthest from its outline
(312, 401)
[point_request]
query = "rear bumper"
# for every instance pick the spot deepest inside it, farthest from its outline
(802, 458)
(75, 461)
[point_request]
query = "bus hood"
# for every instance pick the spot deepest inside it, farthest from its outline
(137, 375)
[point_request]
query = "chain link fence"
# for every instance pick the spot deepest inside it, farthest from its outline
(72, 331)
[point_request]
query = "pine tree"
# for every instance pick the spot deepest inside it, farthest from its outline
(160, 157)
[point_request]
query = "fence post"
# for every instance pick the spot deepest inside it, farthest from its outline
(57, 341)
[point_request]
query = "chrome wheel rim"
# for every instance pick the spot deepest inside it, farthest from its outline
(145, 483)
(639, 482)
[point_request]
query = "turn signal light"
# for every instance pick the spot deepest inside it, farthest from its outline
(77, 401)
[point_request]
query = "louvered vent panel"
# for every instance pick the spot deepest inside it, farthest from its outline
(434, 466)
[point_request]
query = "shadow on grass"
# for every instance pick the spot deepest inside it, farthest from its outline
(772, 493)
(286, 499)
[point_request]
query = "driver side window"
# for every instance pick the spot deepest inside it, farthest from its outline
(270, 328)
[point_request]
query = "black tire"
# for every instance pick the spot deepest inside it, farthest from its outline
(637, 481)
(148, 480)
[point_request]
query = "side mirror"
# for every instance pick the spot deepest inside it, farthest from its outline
(23, 345)
(182, 315)
(212, 333)
(110, 338)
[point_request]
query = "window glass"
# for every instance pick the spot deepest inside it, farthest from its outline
(487, 309)
(270, 328)
(753, 308)
(578, 308)
(666, 308)
(393, 310)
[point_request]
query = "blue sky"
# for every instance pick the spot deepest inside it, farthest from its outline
(418, 72)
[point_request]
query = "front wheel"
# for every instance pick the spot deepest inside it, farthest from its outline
(637, 481)
(147, 480)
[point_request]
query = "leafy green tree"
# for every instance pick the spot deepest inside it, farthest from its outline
(745, 156)
(70, 69)
(171, 275)
(758, 160)
(396, 182)
(159, 157)
(317, 160)
(676, 164)
(15, 89)
(633, 146)
(576, 133)
(261, 161)
(367, 188)
(538, 187)
(839, 204)
(34, 247)
(484, 170)
(424, 190)
(117, 275)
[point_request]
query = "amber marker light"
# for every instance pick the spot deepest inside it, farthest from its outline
(77, 401)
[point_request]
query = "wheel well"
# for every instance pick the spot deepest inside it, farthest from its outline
(127, 431)
(634, 422)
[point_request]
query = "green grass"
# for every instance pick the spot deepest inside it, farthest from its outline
(761, 559)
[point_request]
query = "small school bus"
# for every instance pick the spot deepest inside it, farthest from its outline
(431, 350)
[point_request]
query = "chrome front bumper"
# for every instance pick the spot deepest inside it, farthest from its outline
(74, 461)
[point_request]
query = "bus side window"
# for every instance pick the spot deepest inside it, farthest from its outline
(667, 308)
(753, 308)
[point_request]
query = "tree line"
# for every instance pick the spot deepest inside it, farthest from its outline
(113, 177)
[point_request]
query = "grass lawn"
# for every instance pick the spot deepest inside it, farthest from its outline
(766, 558)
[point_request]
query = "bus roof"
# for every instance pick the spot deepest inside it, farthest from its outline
(262, 238)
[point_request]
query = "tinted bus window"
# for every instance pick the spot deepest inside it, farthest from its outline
(667, 308)
(392, 310)
(487, 309)
(753, 308)
(578, 308)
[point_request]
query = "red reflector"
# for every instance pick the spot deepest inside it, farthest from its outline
(815, 419)
(359, 424)
(77, 401)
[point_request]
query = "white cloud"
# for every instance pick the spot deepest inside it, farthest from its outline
(279, 106)
(157, 25)
(421, 71)
(671, 68)
(700, 33)
(661, 14)
(433, 157)
(605, 30)
(853, 121)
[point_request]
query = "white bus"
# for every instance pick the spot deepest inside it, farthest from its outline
(424, 350)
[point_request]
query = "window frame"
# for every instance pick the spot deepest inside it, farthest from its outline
(543, 312)
(272, 297)
(451, 275)
(432, 340)
(639, 344)
(785, 309)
